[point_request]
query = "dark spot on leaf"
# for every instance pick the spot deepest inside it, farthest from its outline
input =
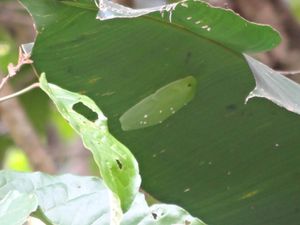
(231, 107)
(78, 186)
(189, 85)
(120, 165)
(154, 216)
(78, 39)
(70, 69)
(85, 111)
(188, 57)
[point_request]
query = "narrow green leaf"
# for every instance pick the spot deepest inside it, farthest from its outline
(15, 207)
(117, 165)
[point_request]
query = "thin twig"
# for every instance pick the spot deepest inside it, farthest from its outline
(14, 118)
(4, 80)
(24, 59)
(23, 91)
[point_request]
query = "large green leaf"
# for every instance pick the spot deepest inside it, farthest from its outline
(15, 207)
(229, 162)
(69, 199)
(118, 167)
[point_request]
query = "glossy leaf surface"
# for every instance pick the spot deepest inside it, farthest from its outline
(225, 161)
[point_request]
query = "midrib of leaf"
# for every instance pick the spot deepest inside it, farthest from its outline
(160, 21)
(180, 27)
(79, 5)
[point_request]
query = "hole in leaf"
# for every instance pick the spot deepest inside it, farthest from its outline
(154, 216)
(231, 107)
(85, 111)
(120, 165)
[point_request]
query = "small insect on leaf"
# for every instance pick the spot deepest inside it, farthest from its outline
(160, 105)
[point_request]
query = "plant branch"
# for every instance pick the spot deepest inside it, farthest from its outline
(14, 69)
(23, 134)
(23, 91)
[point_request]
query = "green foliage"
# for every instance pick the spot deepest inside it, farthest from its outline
(117, 165)
(225, 161)
(15, 207)
(69, 199)
(217, 157)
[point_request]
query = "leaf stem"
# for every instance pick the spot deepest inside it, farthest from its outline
(23, 91)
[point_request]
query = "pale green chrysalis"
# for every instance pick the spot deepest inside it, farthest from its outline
(160, 105)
